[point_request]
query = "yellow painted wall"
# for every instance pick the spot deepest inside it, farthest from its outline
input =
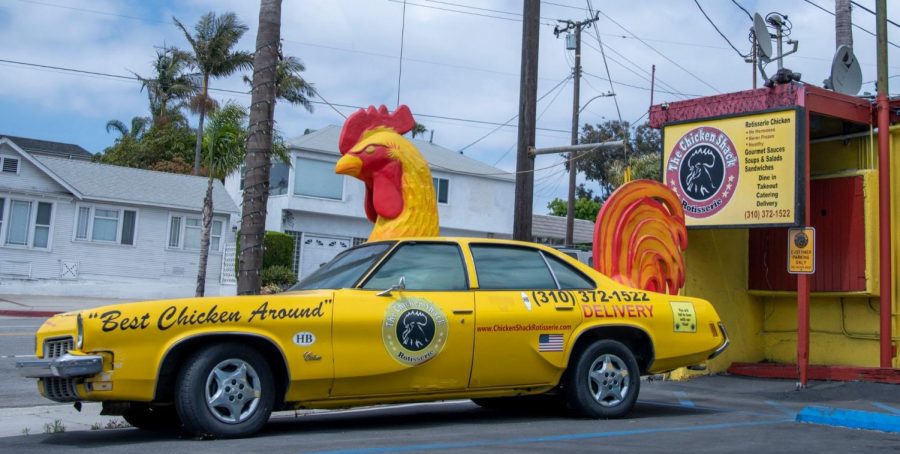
(764, 327)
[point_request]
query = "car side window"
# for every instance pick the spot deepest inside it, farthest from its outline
(501, 267)
(425, 266)
(569, 278)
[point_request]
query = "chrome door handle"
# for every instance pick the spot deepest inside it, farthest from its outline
(462, 311)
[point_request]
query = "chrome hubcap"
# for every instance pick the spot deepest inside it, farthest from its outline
(609, 380)
(232, 391)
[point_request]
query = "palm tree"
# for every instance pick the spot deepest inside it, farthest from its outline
(418, 129)
(212, 44)
(224, 144)
(138, 127)
(259, 145)
(290, 85)
(170, 86)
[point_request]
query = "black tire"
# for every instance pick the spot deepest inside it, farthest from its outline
(242, 380)
(152, 418)
(603, 382)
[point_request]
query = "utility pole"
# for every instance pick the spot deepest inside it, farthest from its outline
(884, 186)
(576, 73)
(531, 13)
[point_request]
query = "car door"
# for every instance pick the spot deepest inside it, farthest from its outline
(413, 340)
(526, 315)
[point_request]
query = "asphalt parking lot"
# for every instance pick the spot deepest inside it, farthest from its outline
(707, 414)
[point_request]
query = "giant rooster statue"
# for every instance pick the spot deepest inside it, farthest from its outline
(399, 191)
(639, 237)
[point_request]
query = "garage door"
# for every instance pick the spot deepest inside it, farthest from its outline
(317, 250)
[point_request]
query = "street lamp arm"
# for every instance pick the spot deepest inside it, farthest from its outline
(603, 95)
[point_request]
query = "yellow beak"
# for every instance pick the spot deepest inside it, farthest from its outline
(348, 165)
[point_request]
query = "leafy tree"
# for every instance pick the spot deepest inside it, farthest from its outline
(151, 149)
(211, 44)
(170, 86)
(587, 205)
(224, 143)
(607, 166)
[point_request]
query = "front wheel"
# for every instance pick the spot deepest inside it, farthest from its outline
(225, 391)
(604, 381)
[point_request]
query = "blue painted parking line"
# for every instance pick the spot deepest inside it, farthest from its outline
(887, 408)
(782, 408)
(683, 400)
(853, 419)
(552, 438)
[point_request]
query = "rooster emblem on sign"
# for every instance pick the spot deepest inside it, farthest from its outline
(400, 197)
(700, 182)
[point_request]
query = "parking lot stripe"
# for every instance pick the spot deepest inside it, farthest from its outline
(551, 438)
(887, 407)
(854, 419)
(782, 408)
(683, 400)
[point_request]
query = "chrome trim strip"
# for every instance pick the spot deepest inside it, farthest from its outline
(724, 345)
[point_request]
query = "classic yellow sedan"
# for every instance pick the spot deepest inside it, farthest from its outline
(410, 320)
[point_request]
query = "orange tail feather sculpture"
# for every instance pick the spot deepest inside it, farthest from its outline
(639, 237)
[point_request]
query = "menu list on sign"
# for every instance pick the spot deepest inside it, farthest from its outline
(761, 160)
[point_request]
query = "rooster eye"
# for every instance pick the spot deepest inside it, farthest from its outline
(370, 149)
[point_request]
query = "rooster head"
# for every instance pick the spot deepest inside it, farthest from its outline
(369, 143)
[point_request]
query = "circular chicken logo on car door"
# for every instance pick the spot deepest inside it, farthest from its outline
(703, 170)
(414, 330)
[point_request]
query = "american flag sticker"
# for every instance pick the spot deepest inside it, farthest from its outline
(550, 343)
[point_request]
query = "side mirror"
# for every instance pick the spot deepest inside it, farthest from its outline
(401, 285)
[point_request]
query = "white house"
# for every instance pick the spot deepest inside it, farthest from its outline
(69, 226)
(324, 211)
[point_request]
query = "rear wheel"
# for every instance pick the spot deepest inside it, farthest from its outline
(225, 391)
(604, 382)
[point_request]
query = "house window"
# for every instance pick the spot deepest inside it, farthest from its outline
(278, 178)
(185, 233)
(10, 165)
(27, 223)
(105, 225)
(441, 189)
(317, 179)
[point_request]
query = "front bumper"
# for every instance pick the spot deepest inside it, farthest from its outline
(724, 345)
(65, 366)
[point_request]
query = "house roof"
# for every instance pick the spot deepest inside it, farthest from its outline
(555, 227)
(325, 140)
(109, 183)
(48, 148)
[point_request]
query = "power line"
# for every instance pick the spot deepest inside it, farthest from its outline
(546, 108)
(644, 76)
(623, 84)
(708, 19)
(857, 26)
(659, 53)
(742, 9)
(511, 19)
(873, 13)
(88, 73)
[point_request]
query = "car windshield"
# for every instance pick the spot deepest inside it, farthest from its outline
(344, 270)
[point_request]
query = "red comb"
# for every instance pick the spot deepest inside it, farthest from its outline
(401, 121)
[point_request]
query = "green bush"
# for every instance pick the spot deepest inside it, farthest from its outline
(279, 250)
(278, 275)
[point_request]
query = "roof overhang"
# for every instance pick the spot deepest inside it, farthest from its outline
(27, 156)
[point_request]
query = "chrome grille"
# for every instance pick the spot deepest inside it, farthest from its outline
(56, 347)
(60, 389)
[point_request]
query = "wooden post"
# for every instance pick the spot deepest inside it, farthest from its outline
(527, 119)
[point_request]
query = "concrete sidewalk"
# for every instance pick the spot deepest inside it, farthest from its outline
(47, 306)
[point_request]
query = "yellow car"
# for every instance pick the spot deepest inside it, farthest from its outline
(410, 320)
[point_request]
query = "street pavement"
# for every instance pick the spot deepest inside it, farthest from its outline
(705, 414)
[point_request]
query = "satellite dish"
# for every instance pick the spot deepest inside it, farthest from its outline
(763, 39)
(846, 75)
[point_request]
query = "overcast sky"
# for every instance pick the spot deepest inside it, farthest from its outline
(460, 62)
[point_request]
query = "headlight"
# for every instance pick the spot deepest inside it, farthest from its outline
(79, 339)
